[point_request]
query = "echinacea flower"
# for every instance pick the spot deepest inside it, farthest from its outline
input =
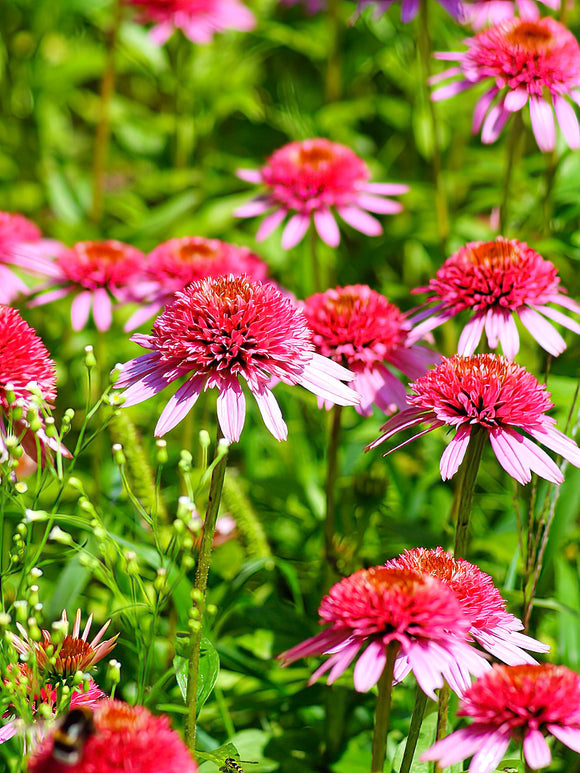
(523, 704)
(74, 653)
(96, 273)
(535, 62)
(498, 280)
(494, 629)
(311, 178)
(22, 246)
(27, 383)
(358, 328)
(487, 393)
(174, 264)
(199, 20)
(219, 331)
(482, 13)
(122, 739)
(410, 8)
(374, 607)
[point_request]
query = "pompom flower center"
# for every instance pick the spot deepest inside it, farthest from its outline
(100, 264)
(502, 272)
(482, 389)
(232, 326)
(23, 359)
(354, 325)
(531, 36)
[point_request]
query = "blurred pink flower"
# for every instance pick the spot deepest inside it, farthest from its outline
(125, 738)
(374, 607)
(498, 280)
(223, 329)
(21, 245)
(488, 393)
(535, 62)
(358, 328)
(310, 178)
(199, 20)
(514, 703)
(174, 264)
(96, 273)
(410, 8)
(494, 629)
(312, 6)
(481, 13)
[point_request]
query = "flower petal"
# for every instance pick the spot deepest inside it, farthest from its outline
(543, 126)
(179, 405)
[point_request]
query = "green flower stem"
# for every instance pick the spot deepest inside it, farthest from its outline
(442, 713)
(383, 710)
(330, 486)
(199, 589)
(514, 152)
(415, 727)
(464, 492)
(425, 53)
(104, 125)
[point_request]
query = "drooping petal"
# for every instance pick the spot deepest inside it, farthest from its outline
(327, 227)
(270, 223)
(271, 413)
(376, 204)
(179, 405)
(544, 333)
(567, 120)
(453, 455)
(360, 220)
(80, 309)
(369, 666)
(471, 334)
(295, 230)
(231, 410)
(536, 751)
(543, 126)
(102, 309)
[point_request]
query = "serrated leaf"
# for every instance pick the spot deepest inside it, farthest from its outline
(209, 666)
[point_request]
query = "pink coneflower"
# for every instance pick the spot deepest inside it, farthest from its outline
(27, 379)
(514, 703)
(21, 245)
(497, 280)
(488, 393)
(358, 328)
(96, 273)
(199, 20)
(374, 607)
(174, 264)
(482, 13)
(223, 329)
(497, 631)
(123, 739)
(307, 180)
(529, 61)
(410, 8)
(74, 653)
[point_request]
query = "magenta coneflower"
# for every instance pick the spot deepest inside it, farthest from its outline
(523, 704)
(21, 245)
(358, 328)
(95, 273)
(124, 739)
(410, 8)
(529, 61)
(199, 20)
(223, 329)
(487, 393)
(494, 629)
(27, 382)
(374, 607)
(497, 280)
(174, 264)
(482, 13)
(309, 179)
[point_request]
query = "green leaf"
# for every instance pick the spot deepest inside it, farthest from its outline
(209, 666)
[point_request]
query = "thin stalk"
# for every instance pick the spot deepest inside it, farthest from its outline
(551, 170)
(200, 587)
(333, 65)
(464, 492)
(514, 151)
(104, 125)
(425, 53)
(316, 270)
(415, 727)
(330, 487)
(184, 104)
(383, 711)
(442, 714)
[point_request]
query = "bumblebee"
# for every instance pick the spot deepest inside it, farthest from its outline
(71, 735)
(233, 766)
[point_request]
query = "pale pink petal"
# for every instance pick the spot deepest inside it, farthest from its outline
(249, 175)
(567, 120)
(270, 223)
(453, 455)
(569, 736)
(536, 751)
(102, 309)
(385, 189)
(557, 441)
(544, 333)
(560, 317)
(360, 220)
(539, 462)
(53, 295)
(456, 747)
(413, 361)
(295, 230)
(330, 368)
(508, 334)
(425, 667)
(179, 405)
(342, 660)
(567, 303)
(516, 99)
(378, 205)
(137, 368)
(327, 227)
(231, 410)
(442, 76)
(543, 126)
(271, 413)
(391, 393)
(444, 92)
(369, 666)
(161, 33)
(315, 645)
(490, 755)
(141, 316)
(427, 325)
(494, 123)
(8, 731)
(252, 208)
(507, 453)
(142, 390)
(493, 321)
(482, 107)
(471, 334)
(80, 309)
